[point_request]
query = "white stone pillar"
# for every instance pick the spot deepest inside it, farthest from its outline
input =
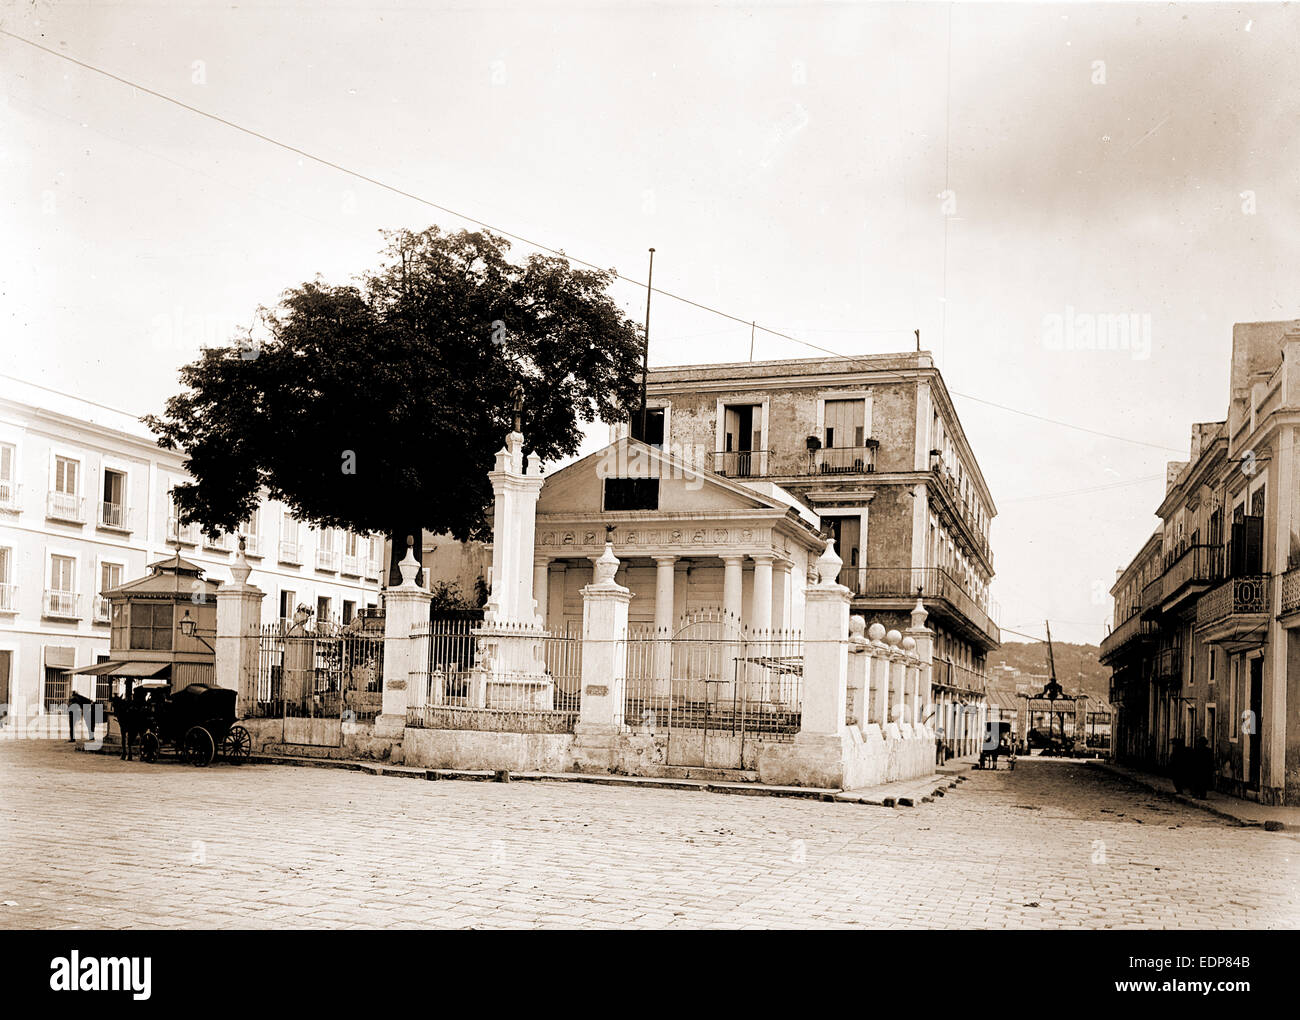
(514, 514)
(732, 604)
(404, 607)
(665, 576)
(541, 586)
(781, 595)
(879, 674)
(604, 650)
(924, 638)
(760, 625)
(858, 676)
(826, 666)
(238, 641)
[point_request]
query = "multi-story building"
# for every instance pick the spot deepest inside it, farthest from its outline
(874, 447)
(85, 505)
(1202, 649)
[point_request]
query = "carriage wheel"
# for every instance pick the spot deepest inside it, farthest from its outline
(199, 748)
(149, 746)
(237, 745)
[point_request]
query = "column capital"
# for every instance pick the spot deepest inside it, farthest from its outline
(541, 560)
(662, 558)
(769, 558)
(731, 559)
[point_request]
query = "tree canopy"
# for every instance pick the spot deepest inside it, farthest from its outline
(379, 405)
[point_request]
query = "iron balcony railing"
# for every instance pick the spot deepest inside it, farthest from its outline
(186, 534)
(1133, 629)
(114, 516)
(935, 583)
(843, 460)
(1169, 663)
(374, 569)
(1238, 596)
(64, 506)
(946, 483)
(290, 552)
(351, 566)
(1291, 591)
(1197, 564)
(944, 673)
(221, 543)
(1153, 593)
(253, 545)
(327, 559)
(64, 604)
(103, 610)
(740, 463)
(10, 496)
(8, 598)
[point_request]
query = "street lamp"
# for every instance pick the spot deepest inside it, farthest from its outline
(190, 629)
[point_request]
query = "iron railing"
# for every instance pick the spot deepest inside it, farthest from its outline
(8, 598)
(318, 675)
(10, 496)
(65, 506)
(842, 460)
(1238, 596)
(1196, 564)
(103, 610)
(253, 545)
(290, 552)
(65, 604)
(741, 463)
(351, 566)
(935, 583)
(187, 534)
(1291, 591)
(114, 516)
(327, 559)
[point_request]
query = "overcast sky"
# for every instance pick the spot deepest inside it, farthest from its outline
(843, 173)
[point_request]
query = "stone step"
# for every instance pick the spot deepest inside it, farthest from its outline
(709, 775)
(306, 750)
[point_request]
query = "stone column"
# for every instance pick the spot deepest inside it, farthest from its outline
(404, 607)
(665, 575)
(781, 595)
(879, 674)
(604, 650)
(896, 679)
(732, 604)
(761, 609)
(825, 673)
(924, 647)
(859, 682)
(514, 513)
(239, 619)
(541, 586)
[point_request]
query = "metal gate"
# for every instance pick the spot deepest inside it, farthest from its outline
(713, 690)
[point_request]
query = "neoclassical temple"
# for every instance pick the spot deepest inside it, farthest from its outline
(687, 539)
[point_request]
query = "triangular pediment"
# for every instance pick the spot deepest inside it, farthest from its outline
(683, 487)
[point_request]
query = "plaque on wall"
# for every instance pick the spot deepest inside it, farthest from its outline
(597, 690)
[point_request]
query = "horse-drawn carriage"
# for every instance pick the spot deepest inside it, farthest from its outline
(197, 722)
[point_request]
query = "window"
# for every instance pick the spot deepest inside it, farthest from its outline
(322, 610)
(63, 573)
(112, 510)
(56, 688)
(8, 490)
(1211, 732)
(65, 475)
(349, 611)
(110, 577)
(1214, 655)
(6, 582)
(631, 493)
(151, 625)
(742, 439)
(288, 603)
(654, 426)
(845, 424)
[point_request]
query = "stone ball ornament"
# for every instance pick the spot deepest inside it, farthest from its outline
(909, 644)
(893, 639)
(876, 632)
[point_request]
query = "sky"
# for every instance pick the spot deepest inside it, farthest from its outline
(991, 175)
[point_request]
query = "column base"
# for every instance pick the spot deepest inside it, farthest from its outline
(390, 725)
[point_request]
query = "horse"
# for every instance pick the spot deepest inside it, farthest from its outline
(132, 720)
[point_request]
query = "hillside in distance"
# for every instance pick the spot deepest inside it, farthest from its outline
(1076, 665)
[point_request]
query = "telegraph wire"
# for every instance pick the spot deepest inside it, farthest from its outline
(375, 182)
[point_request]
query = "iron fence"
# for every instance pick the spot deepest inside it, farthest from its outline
(498, 678)
(323, 674)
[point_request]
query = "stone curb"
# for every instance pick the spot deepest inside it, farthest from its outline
(939, 787)
(1200, 805)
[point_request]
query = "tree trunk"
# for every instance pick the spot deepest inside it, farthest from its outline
(397, 545)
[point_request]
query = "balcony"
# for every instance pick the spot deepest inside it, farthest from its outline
(741, 463)
(1190, 572)
(1236, 612)
(352, 566)
(290, 553)
(8, 598)
(843, 460)
(1169, 664)
(103, 610)
(1153, 595)
(253, 546)
(222, 543)
(11, 497)
(62, 605)
(1291, 596)
(941, 593)
(957, 514)
(374, 570)
(948, 674)
(185, 534)
(113, 517)
(64, 506)
(327, 559)
(1131, 635)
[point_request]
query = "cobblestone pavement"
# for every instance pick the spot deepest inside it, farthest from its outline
(88, 841)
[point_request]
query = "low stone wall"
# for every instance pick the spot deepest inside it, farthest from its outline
(328, 737)
(852, 760)
(483, 749)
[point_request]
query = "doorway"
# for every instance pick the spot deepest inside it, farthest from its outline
(1256, 722)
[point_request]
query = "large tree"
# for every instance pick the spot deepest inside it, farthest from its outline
(379, 405)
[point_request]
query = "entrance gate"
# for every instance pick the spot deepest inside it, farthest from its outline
(712, 690)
